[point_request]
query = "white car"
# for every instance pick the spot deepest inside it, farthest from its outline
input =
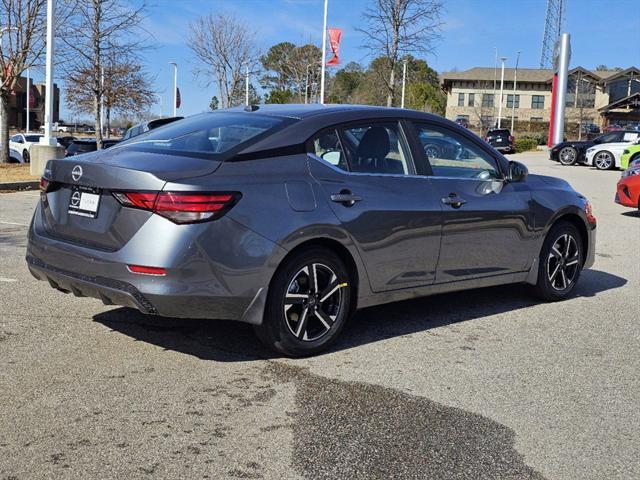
(606, 156)
(22, 143)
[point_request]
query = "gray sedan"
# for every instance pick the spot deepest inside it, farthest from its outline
(290, 217)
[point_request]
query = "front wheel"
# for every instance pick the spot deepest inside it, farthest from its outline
(25, 156)
(560, 262)
(308, 303)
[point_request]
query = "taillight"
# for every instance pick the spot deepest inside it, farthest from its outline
(158, 271)
(511, 139)
(44, 185)
(181, 207)
(588, 210)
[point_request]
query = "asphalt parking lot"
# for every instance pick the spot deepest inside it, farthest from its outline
(483, 384)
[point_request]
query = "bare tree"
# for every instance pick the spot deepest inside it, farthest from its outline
(395, 28)
(96, 31)
(126, 90)
(224, 48)
(22, 32)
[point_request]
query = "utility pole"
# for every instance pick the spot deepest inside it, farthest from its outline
(102, 125)
(246, 85)
(502, 59)
(48, 106)
(404, 80)
(175, 88)
(513, 104)
(28, 126)
(324, 51)
(495, 81)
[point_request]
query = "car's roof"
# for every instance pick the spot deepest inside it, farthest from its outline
(301, 111)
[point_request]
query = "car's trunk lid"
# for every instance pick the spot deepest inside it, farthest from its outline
(86, 183)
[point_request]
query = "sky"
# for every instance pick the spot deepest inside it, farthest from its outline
(602, 32)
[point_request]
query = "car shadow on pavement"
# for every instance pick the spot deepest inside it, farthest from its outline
(228, 341)
(632, 213)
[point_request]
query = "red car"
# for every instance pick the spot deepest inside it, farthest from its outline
(628, 191)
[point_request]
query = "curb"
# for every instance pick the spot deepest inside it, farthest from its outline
(27, 185)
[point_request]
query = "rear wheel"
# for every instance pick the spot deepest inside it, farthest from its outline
(603, 160)
(560, 262)
(308, 303)
(568, 156)
(25, 156)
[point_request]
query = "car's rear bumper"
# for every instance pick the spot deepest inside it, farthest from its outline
(202, 280)
(504, 148)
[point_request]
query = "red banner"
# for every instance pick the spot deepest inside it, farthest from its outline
(33, 96)
(335, 35)
(178, 99)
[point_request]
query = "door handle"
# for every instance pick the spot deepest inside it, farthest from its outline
(346, 198)
(454, 200)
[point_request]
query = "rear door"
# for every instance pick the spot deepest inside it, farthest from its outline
(369, 179)
(486, 220)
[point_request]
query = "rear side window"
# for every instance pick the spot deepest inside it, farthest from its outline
(209, 133)
(375, 148)
(327, 146)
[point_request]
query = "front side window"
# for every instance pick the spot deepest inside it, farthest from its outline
(537, 101)
(452, 155)
(375, 148)
(461, 99)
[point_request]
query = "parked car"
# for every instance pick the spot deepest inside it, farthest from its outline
(628, 188)
(146, 126)
(570, 153)
(501, 139)
(22, 142)
(606, 155)
(290, 217)
(85, 145)
(629, 155)
(15, 156)
(613, 128)
(65, 141)
(463, 122)
(590, 128)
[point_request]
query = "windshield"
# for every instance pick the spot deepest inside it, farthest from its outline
(208, 133)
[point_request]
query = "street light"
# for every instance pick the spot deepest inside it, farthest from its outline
(513, 103)
(246, 85)
(502, 59)
(175, 88)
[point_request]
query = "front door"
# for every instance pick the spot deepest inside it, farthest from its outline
(369, 180)
(487, 221)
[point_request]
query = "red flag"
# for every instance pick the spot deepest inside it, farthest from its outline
(178, 99)
(335, 34)
(33, 96)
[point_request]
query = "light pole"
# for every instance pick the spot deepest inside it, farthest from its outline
(502, 60)
(28, 126)
(175, 88)
(48, 106)
(495, 80)
(246, 85)
(404, 80)
(324, 50)
(513, 103)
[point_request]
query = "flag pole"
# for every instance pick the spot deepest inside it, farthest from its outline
(324, 51)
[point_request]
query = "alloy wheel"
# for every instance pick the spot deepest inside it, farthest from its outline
(567, 156)
(313, 301)
(563, 262)
(603, 160)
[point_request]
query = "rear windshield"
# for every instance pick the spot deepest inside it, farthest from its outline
(502, 133)
(206, 135)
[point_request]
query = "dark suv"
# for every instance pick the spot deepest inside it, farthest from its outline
(500, 139)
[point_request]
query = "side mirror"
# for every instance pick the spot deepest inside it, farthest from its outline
(517, 171)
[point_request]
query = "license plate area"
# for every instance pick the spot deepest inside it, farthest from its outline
(84, 201)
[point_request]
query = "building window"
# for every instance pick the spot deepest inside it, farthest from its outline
(487, 99)
(537, 101)
(486, 120)
(536, 119)
(472, 100)
(461, 99)
(510, 101)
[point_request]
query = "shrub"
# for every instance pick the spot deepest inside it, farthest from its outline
(525, 144)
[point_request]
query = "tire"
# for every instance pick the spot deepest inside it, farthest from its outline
(559, 269)
(568, 156)
(25, 156)
(604, 160)
(299, 320)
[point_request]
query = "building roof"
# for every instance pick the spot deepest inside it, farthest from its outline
(528, 74)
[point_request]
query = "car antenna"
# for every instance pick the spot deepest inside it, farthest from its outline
(251, 108)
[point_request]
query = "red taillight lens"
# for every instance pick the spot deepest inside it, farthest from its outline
(588, 210)
(147, 270)
(44, 185)
(181, 207)
(511, 139)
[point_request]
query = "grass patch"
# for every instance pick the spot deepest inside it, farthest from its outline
(16, 173)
